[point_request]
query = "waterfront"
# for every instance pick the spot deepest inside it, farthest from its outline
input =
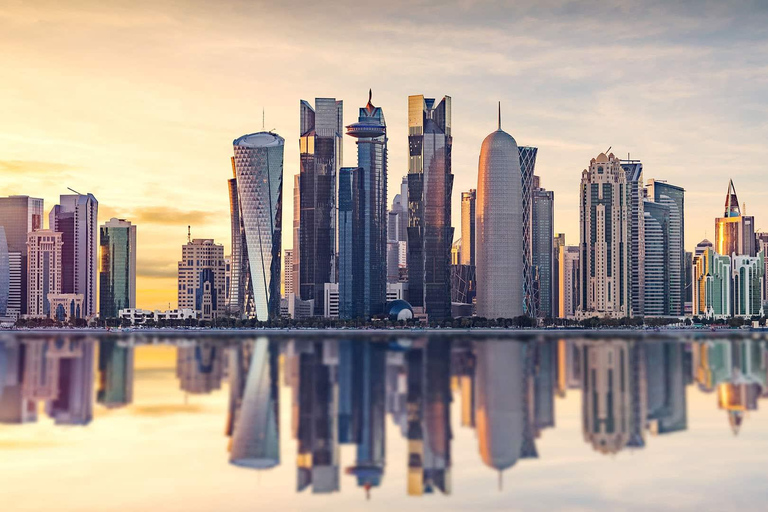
(661, 421)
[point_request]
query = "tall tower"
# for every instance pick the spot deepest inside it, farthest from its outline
(604, 260)
(673, 197)
(117, 275)
(320, 148)
(259, 173)
(19, 215)
(542, 239)
(467, 253)
(430, 184)
(201, 277)
(734, 232)
(369, 217)
(527, 168)
(45, 264)
(76, 217)
(499, 228)
(634, 171)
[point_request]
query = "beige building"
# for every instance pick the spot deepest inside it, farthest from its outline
(66, 307)
(202, 278)
(44, 270)
(604, 230)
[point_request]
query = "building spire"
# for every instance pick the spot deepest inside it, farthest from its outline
(731, 202)
(499, 115)
(369, 107)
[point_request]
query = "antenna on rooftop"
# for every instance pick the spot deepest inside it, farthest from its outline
(189, 234)
(75, 191)
(608, 150)
(263, 117)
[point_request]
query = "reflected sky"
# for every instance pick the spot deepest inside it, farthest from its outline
(433, 422)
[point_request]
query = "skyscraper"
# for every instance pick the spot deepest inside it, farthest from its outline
(44, 275)
(467, 253)
(201, 277)
(320, 148)
(711, 283)
(527, 168)
(636, 233)
(657, 266)
(20, 215)
(5, 276)
(569, 281)
(397, 236)
(369, 216)
(559, 241)
(238, 259)
(734, 232)
(542, 237)
(674, 198)
(430, 184)
(605, 286)
(258, 163)
(348, 237)
(117, 277)
(288, 271)
(76, 218)
(499, 228)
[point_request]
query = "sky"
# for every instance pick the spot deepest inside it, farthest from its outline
(139, 102)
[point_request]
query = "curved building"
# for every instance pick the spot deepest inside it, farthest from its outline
(500, 401)
(259, 174)
(499, 228)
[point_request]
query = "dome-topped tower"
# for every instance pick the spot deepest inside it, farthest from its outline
(499, 228)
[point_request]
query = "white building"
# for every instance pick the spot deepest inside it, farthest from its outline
(331, 300)
(141, 316)
(44, 270)
(201, 278)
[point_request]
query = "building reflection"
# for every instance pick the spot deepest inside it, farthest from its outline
(341, 392)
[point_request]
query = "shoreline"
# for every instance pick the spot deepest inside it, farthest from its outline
(567, 332)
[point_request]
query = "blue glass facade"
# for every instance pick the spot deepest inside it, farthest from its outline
(117, 278)
(369, 216)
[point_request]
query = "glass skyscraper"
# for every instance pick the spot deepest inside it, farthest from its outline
(369, 214)
(636, 233)
(674, 198)
(117, 277)
(5, 273)
(734, 232)
(527, 168)
(20, 215)
(76, 218)
(542, 239)
(656, 267)
(430, 184)
(347, 234)
(259, 173)
(320, 149)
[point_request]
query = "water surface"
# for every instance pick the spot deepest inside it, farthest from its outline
(132, 422)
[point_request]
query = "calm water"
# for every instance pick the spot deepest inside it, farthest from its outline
(433, 423)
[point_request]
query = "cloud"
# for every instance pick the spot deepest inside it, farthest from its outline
(165, 409)
(33, 167)
(152, 268)
(164, 215)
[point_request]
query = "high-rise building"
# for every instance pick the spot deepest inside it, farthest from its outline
(734, 232)
(76, 218)
(762, 246)
(44, 275)
(657, 289)
(542, 237)
(711, 284)
(636, 233)
(674, 198)
(20, 215)
(369, 213)
(397, 236)
(605, 285)
(499, 228)
(238, 259)
(117, 277)
(5, 276)
(569, 285)
(527, 169)
(201, 278)
(748, 279)
(296, 232)
(348, 237)
(16, 282)
(467, 254)
(288, 272)
(320, 148)
(258, 166)
(430, 184)
(558, 242)
(702, 246)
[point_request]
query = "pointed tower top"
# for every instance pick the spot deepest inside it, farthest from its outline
(369, 107)
(731, 202)
(499, 115)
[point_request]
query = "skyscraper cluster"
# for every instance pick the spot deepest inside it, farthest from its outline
(53, 272)
(631, 261)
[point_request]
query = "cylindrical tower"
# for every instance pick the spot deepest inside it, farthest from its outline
(499, 228)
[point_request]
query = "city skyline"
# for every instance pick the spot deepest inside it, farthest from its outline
(685, 114)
